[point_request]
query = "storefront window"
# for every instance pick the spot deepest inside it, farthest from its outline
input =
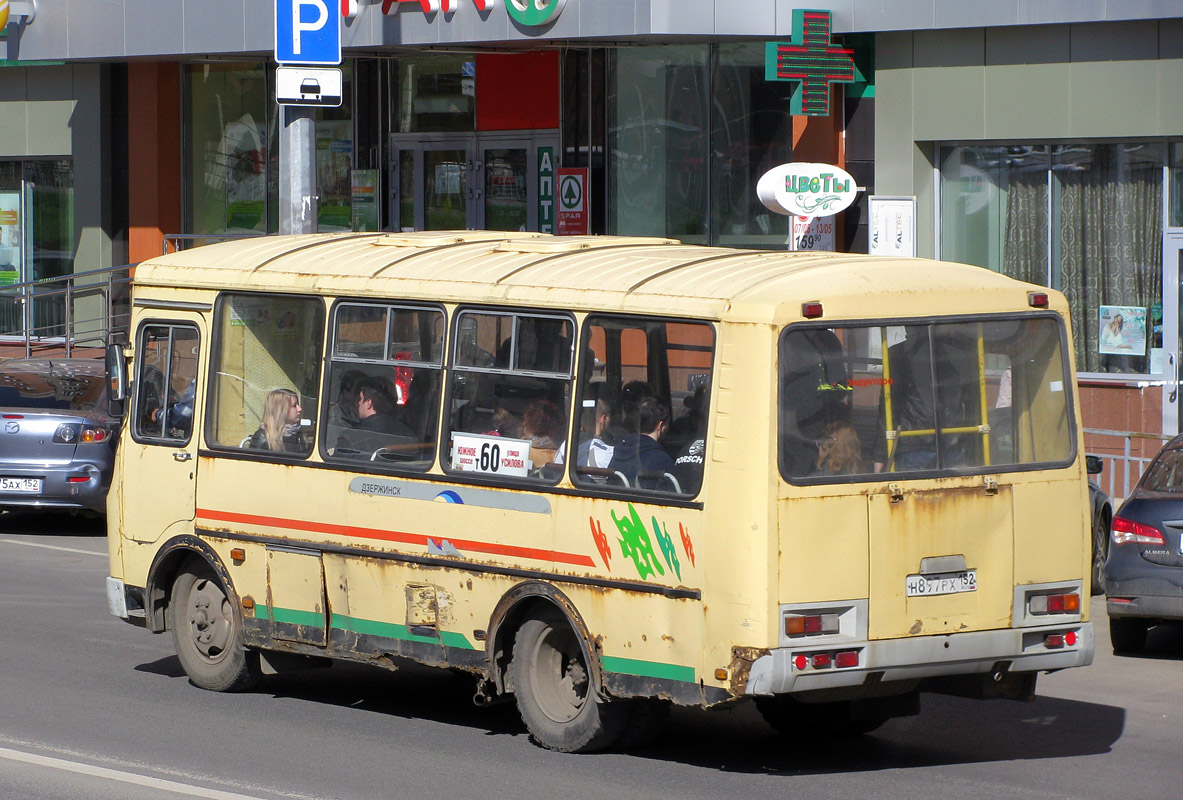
(1085, 219)
(1176, 218)
(436, 93)
(227, 147)
(751, 132)
(36, 240)
(658, 142)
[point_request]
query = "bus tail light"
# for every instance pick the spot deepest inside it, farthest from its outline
(844, 659)
(1055, 603)
(1037, 299)
(1053, 641)
(809, 624)
(812, 309)
(847, 658)
(1126, 531)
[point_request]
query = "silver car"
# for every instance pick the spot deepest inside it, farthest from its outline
(57, 439)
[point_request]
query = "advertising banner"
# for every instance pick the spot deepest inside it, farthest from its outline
(573, 202)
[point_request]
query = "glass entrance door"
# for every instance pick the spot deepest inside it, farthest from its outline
(505, 201)
(1172, 336)
(478, 181)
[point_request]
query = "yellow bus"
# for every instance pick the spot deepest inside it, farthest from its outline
(603, 475)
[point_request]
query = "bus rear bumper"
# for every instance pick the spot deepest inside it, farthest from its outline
(1016, 650)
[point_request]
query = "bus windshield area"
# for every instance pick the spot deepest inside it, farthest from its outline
(930, 397)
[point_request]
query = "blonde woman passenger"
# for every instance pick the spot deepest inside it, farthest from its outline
(280, 429)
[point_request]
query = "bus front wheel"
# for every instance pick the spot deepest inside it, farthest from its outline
(554, 690)
(207, 634)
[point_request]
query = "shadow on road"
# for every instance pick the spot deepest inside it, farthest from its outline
(948, 731)
(1164, 642)
(42, 522)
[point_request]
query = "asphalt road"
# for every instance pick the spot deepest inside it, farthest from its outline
(91, 707)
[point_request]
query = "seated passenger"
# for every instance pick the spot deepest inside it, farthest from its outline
(343, 413)
(596, 450)
(280, 429)
(542, 424)
(379, 426)
(840, 452)
(641, 453)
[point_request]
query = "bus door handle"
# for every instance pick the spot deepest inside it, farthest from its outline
(182, 456)
(895, 492)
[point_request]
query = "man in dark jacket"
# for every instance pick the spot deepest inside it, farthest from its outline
(379, 426)
(640, 456)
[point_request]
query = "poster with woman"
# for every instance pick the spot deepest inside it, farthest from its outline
(1123, 331)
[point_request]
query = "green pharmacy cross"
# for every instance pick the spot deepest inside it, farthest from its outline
(811, 59)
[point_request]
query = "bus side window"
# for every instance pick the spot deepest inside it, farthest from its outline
(644, 398)
(266, 348)
(383, 385)
(509, 394)
(166, 383)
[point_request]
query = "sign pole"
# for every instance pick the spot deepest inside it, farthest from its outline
(297, 171)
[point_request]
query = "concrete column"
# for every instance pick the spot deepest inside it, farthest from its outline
(297, 171)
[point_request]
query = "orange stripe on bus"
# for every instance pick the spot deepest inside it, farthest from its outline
(394, 536)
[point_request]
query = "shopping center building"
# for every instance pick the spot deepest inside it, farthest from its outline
(1039, 139)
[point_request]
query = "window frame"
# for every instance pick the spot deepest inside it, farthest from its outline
(329, 358)
(931, 474)
(134, 411)
(451, 369)
(215, 364)
(616, 492)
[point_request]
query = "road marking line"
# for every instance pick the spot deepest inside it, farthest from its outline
(122, 777)
(55, 547)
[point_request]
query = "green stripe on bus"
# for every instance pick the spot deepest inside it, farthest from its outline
(368, 627)
(392, 630)
(648, 669)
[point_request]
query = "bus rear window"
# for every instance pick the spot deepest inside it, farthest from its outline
(975, 395)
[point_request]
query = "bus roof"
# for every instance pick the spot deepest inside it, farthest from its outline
(616, 273)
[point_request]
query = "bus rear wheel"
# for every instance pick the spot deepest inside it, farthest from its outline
(554, 690)
(207, 633)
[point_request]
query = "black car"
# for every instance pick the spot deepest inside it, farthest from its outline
(1144, 568)
(1102, 514)
(57, 439)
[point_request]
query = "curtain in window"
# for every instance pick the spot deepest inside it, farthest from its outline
(1025, 225)
(1109, 237)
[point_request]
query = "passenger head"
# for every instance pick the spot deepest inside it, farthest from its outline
(348, 385)
(653, 417)
(839, 451)
(375, 396)
(280, 409)
(542, 419)
(630, 399)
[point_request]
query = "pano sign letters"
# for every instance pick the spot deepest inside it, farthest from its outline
(528, 13)
(806, 190)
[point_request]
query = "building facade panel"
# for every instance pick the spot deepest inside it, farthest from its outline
(151, 27)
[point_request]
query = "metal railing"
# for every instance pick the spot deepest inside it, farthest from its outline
(177, 238)
(1128, 464)
(61, 314)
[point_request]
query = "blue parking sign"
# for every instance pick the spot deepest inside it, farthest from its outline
(307, 32)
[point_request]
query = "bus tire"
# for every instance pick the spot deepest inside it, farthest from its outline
(790, 717)
(555, 693)
(207, 633)
(1128, 634)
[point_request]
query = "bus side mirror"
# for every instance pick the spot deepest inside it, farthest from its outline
(116, 374)
(1093, 465)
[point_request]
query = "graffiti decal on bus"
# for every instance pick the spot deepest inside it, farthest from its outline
(638, 545)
